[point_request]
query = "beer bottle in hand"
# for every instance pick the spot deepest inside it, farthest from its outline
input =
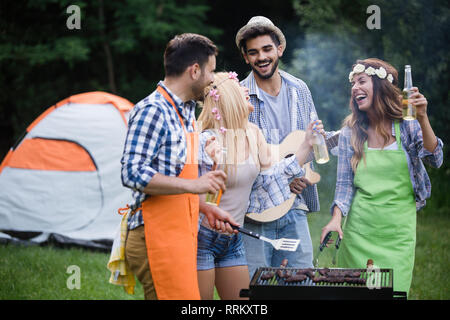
(409, 111)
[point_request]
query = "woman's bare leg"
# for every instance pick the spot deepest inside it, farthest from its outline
(206, 280)
(230, 281)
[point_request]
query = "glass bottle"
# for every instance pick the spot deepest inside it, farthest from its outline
(409, 111)
(214, 198)
(320, 148)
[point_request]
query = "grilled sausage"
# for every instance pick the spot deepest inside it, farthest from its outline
(339, 273)
(296, 278)
(280, 273)
(324, 271)
(335, 279)
(354, 274)
(304, 271)
(319, 279)
(267, 275)
(308, 272)
(355, 280)
(334, 274)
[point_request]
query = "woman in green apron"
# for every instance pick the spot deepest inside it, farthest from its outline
(381, 180)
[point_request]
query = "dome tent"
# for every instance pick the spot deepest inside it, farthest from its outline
(61, 181)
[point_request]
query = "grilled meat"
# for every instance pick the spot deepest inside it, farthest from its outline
(308, 272)
(296, 278)
(267, 275)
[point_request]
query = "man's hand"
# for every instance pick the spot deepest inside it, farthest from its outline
(218, 218)
(298, 184)
(211, 181)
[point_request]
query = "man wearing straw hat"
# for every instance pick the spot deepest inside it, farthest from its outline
(282, 104)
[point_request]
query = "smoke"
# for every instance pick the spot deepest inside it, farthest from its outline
(324, 62)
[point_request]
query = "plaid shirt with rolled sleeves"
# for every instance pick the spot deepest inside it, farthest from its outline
(412, 142)
(302, 113)
(155, 142)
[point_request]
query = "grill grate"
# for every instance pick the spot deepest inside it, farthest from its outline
(382, 278)
(376, 284)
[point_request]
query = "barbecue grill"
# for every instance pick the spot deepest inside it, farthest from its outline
(370, 285)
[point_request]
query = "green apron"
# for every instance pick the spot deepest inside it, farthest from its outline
(382, 220)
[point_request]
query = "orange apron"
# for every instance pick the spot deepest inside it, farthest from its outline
(171, 226)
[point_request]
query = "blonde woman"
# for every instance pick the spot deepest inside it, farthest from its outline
(381, 180)
(221, 258)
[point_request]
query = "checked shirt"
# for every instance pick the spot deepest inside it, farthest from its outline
(155, 142)
(302, 110)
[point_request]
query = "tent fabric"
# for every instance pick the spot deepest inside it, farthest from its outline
(49, 154)
(96, 97)
(63, 178)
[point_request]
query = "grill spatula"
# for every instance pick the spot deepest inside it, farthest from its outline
(278, 244)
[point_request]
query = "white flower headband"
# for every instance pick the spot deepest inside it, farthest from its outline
(380, 72)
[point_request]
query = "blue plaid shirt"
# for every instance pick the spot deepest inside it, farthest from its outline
(412, 142)
(303, 112)
(155, 142)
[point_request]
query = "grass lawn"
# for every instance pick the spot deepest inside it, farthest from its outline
(41, 272)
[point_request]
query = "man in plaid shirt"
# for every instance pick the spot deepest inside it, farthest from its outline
(282, 104)
(155, 164)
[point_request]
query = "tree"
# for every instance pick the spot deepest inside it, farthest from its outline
(119, 48)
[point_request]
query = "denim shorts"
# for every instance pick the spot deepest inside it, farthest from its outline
(216, 250)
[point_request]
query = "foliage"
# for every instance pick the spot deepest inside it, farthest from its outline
(116, 50)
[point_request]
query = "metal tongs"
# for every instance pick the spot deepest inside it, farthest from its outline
(322, 245)
(337, 244)
(278, 244)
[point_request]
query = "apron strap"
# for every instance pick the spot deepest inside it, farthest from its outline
(398, 134)
(166, 96)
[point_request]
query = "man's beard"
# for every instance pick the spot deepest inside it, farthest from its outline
(270, 74)
(198, 89)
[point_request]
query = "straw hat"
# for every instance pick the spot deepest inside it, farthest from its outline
(259, 21)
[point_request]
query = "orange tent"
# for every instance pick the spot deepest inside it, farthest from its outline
(62, 179)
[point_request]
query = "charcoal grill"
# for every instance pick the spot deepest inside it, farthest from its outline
(377, 286)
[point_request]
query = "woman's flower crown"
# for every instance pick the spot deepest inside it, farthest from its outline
(214, 94)
(380, 72)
